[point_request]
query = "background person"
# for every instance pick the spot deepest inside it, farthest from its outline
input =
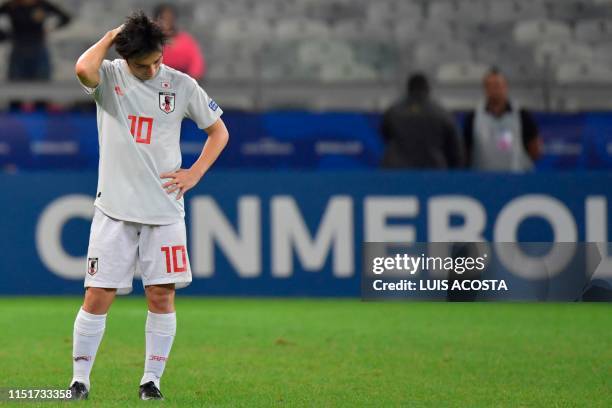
(419, 133)
(499, 135)
(182, 51)
(29, 58)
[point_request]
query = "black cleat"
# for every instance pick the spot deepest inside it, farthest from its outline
(149, 391)
(78, 391)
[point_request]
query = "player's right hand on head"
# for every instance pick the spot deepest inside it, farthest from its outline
(116, 31)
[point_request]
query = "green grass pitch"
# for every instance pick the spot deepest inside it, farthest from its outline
(326, 353)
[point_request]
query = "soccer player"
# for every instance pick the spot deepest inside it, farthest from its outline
(139, 212)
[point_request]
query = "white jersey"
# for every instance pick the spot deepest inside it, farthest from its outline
(139, 126)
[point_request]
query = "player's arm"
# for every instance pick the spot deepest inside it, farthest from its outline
(64, 18)
(88, 65)
(185, 179)
(531, 137)
(216, 142)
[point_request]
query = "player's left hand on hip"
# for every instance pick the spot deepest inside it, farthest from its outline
(181, 180)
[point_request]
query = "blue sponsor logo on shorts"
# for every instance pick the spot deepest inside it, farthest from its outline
(213, 105)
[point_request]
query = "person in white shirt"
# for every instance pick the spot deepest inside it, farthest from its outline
(138, 222)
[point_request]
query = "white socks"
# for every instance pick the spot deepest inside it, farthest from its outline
(88, 332)
(89, 329)
(159, 333)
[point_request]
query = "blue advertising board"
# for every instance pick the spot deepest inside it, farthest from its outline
(284, 140)
(298, 233)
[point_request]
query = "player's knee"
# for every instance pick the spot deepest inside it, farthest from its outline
(160, 299)
(161, 304)
(98, 300)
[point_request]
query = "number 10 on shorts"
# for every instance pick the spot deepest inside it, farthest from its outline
(173, 253)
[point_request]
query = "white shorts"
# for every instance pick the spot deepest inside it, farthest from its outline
(119, 249)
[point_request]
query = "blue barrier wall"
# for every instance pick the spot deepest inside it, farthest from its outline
(297, 233)
(285, 140)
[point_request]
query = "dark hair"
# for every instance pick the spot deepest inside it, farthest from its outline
(139, 36)
(494, 70)
(418, 85)
(160, 8)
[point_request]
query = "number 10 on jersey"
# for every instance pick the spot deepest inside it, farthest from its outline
(136, 128)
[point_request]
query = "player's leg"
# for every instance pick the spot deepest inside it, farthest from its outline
(98, 300)
(88, 331)
(165, 267)
(160, 330)
(111, 259)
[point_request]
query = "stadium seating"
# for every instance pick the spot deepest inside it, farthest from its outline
(318, 40)
(504, 11)
(464, 73)
(428, 55)
(578, 72)
(553, 53)
(594, 30)
(534, 31)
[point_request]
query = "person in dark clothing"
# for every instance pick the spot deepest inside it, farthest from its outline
(500, 135)
(29, 59)
(419, 133)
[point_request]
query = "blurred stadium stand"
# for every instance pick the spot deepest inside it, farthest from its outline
(354, 54)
